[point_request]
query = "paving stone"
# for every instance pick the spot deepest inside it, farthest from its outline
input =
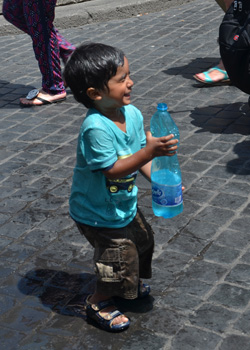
(192, 338)
(144, 340)
(242, 325)
(221, 254)
(239, 275)
(215, 215)
(213, 317)
(233, 238)
(10, 339)
(230, 201)
(235, 341)
(231, 296)
(24, 318)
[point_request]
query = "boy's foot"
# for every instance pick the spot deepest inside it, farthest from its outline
(143, 290)
(106, 315)
(39, 98)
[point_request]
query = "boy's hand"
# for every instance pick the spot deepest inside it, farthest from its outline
(161, 146)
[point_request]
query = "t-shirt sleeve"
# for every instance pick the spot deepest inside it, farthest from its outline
(98, 148)
(140, 126)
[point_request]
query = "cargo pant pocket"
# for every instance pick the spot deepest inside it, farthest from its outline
(108, 264)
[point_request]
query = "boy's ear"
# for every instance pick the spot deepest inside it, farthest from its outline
(94, 94)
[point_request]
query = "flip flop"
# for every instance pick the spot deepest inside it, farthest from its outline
(33, 94)
(209, 81)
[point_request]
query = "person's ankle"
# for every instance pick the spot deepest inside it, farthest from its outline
(97, 298)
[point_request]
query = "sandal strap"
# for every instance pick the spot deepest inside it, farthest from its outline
(143, 290)
(45, 102)
(93, 312)
(219, 70)
(99, 306)
(32, 94)
(208, 79)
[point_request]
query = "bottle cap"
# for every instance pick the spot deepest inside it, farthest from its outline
(162, 107)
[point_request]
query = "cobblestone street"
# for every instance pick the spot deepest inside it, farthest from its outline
(201, 271)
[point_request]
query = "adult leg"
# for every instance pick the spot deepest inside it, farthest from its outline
(66, 48)
(216, 74)
(222, 4)
(39, 16)
(13, 13)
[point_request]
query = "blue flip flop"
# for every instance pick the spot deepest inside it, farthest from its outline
(209, 81)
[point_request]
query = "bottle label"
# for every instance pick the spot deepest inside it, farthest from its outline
(167, 196)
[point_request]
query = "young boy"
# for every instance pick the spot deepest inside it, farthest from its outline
(112, 147)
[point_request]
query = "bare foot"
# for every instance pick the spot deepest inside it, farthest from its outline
(42, 98)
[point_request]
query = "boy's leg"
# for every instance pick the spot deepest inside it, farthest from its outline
(122, 256)
(144, 240)
(116, 263)
(99, 295)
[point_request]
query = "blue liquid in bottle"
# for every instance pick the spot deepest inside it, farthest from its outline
(166, 180)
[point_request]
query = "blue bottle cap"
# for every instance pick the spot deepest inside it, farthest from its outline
(162, 107)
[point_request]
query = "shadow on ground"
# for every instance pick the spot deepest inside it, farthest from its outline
(11, 92)
(242, 163)
(222, 119)
(197, 65)
(64, 293)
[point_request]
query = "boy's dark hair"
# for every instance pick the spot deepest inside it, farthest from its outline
(91, 65)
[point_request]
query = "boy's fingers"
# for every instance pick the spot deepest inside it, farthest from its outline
(167, 137)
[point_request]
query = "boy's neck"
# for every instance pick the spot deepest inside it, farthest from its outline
(113, 114)
(116, 116)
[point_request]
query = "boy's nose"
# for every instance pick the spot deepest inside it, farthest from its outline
(130, 82)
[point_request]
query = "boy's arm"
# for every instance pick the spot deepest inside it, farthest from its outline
(146, 171)
(155, 147)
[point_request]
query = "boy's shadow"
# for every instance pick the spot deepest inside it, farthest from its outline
(64, 293)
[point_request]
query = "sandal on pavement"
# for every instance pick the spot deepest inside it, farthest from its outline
(143, 290)
(209, 81)
(33, 94)
(93, 312)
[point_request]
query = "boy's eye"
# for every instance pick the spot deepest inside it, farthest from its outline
(125, 77)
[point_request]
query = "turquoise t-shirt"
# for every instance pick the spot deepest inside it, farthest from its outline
(96, 200)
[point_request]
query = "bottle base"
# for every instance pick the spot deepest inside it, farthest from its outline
(167, 213)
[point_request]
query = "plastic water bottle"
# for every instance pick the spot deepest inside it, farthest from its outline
(167, 200)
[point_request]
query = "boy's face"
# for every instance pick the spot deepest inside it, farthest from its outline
(120, 87)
